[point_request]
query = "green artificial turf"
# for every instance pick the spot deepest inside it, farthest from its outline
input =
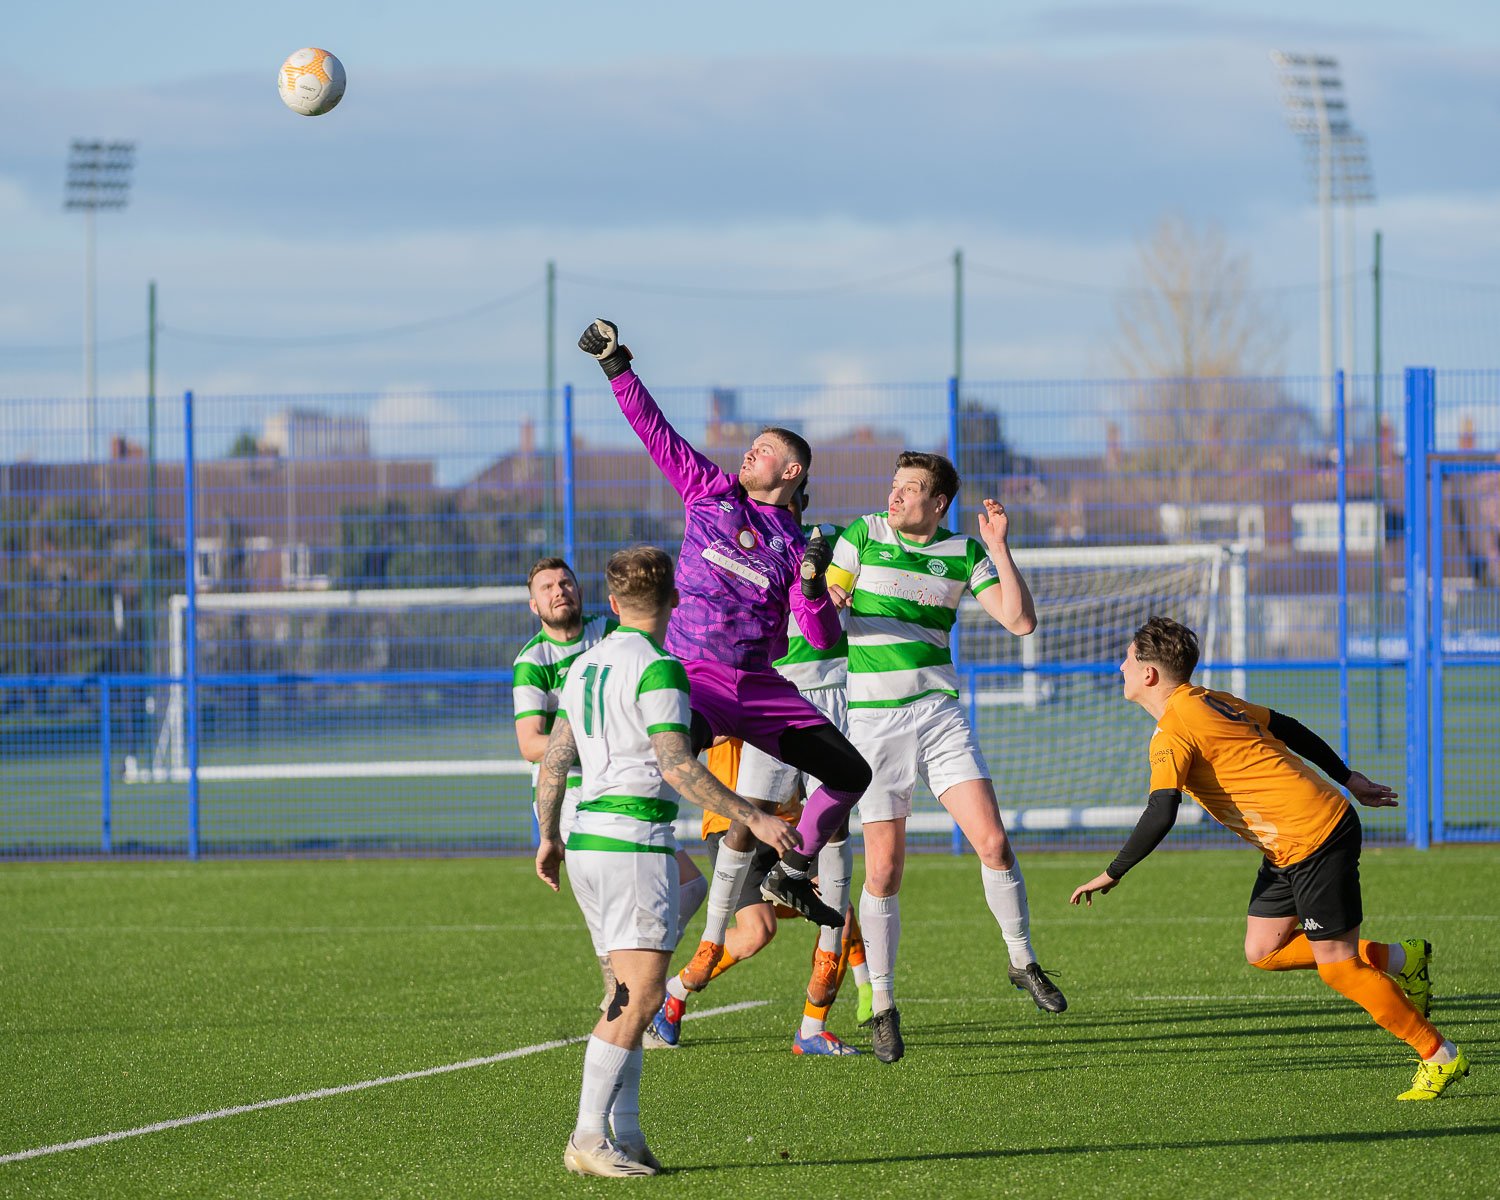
(140, 992)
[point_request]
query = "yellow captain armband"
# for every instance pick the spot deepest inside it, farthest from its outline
(839, 577)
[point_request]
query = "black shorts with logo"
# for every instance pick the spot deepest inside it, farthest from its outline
(760, 866)
(1322, 890)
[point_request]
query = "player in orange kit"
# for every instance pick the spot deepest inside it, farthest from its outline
(1244, 765)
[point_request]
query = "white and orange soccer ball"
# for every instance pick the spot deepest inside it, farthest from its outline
(311, 82)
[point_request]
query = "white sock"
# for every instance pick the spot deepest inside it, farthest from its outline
(1397, 961)
(689, 899)
(625, 1112)
(1005, 892)
(861, 972)
(835, 870)
(880, 918)
(730, 869)
(1444, 1054)
(603, 1066)
(676, 988)
(811, 1026)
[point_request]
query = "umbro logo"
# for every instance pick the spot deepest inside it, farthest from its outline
(886, 555)
(726, 506)
(1309, 924)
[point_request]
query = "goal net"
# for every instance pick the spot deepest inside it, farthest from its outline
(1066, 751)
(389, 683)
(1091, 599)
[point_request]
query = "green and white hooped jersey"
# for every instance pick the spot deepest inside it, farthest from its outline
(615, 697)
(804, 664)
(540, 668)
(904, 604)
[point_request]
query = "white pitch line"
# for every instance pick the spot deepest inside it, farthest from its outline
(341, 1090)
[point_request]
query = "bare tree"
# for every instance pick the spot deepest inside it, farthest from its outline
(1200, 344)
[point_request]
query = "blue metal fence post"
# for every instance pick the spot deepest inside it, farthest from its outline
(106, 752)
(1436, 744)
(570, 481)
(1342, 460)
(1419, 389)
(956, 837)
(190, 621)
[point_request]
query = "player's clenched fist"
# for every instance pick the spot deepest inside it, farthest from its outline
(602, 340)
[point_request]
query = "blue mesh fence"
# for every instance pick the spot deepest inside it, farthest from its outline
(358, 562)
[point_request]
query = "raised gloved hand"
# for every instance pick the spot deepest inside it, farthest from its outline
(815, 560)
(602, 340)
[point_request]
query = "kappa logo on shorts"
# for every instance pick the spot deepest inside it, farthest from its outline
(1312, 926)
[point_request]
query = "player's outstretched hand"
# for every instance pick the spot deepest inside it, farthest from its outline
(549, 856)
(1100, 884)
(994, 523)
(1369, 793)
(815, 560)
(602, 340)
(775, 832)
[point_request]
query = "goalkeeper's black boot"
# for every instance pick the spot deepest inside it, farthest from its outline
(798, 894)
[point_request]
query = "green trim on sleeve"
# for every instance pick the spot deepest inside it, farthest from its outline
(665, 674)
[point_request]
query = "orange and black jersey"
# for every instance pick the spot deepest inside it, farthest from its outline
(1241, 762)
(723, 763)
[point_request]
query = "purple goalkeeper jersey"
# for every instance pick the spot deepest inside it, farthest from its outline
(738, 570)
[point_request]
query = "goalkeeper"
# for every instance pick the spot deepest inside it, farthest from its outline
(744, 568)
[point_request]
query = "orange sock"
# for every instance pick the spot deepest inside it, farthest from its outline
(1297, 955)
(726, 960)
(818, 1012)
(1377, 954)
(1376, 993)
(854, 942)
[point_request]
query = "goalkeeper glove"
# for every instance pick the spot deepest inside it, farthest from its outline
(815, 560)
(602, 340)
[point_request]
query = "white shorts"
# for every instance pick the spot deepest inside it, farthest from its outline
(628, 898)
(930, 737)
(566, 815)
(765, 778)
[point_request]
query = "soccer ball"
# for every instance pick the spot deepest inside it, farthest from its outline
(311, 82)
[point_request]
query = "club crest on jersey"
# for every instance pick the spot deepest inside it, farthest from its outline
(936, 566)
(777, 544)
(746, 539)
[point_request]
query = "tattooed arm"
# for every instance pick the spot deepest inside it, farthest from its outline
(551, 784)
(691, 780)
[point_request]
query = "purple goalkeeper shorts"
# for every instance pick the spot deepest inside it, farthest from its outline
(758, 706)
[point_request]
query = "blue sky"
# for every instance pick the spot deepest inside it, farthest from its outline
(758, 194)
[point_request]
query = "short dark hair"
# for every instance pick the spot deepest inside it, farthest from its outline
(1168, 645)
(795, 442)
(549, 564)
(640, 576)
(942, 474)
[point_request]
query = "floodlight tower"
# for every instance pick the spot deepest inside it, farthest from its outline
(1353, 184)
(98, 177)
(1313, 97)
